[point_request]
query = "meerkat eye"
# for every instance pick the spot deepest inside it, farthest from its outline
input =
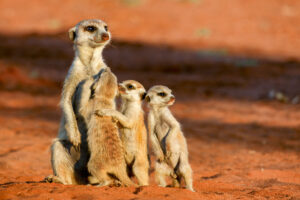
(130, 87)
(90, 28)
(106, 28)
(162, 94)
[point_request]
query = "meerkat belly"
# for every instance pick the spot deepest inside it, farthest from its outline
(129, 144)
(104, 141)
(161, 129)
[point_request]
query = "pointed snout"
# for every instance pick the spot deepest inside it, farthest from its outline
(121, 88)
(104, 36)
(101, 37)
(171, 100)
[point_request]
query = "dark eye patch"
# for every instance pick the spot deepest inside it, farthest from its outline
(130, 87)
(106, 28)
(162, 94)
(90, 29)
(143, 95)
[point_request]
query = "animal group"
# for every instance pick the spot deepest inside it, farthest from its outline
(99, 144)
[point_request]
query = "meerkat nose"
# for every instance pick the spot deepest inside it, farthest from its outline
(121, 89)
(104, 36)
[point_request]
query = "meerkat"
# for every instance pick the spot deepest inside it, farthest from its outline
(89, 38)
(167, 139)
(107, 159)
(132, 128)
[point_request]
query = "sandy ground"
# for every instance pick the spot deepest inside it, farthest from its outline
(221, 65)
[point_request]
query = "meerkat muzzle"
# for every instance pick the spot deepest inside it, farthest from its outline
(122, 90)
(171, 100)
(104, 37)
(100, 38)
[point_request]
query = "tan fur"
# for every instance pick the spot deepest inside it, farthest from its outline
(133, 130)
(168, 142)
(107, 159)
(87, 62)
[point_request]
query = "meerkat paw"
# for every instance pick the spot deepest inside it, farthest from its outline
(100, 112)
(105, 112)
(173, 175)
(52, 179)
(75, 139)
(103, 183)
(190, 188)
(175, 183)
(49, 179)
(116, 183)
(160, 157)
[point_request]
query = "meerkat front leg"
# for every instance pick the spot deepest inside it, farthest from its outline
(124, 120)
(153, 137)
(70, 123)
(85, 94)
(174, 129)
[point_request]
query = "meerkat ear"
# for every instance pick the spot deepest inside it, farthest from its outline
(143, 95)
(147, 98)
(72, 33)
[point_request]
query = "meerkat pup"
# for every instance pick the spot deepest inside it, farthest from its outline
(167, 139)
(107, 159)
(89, 38)
(132, 128)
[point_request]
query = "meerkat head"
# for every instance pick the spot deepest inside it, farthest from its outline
(92, 33)
(105, 85)
(132, 90)
(160, 95)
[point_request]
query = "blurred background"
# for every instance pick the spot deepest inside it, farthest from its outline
(225, 47)
(233, 66)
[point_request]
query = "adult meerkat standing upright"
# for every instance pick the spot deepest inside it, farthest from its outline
(107, 159)
(132, 128)
(89, 38)
(168, 142)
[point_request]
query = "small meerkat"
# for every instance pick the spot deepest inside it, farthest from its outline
(107, 159)
(167, 139)
(89, 38)
(132, 128)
